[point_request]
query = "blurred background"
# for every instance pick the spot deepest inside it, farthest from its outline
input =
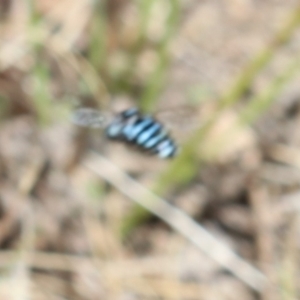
(223, 76)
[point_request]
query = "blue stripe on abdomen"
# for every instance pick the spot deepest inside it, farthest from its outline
(133, 130)
(148, 133)
(166, 148)
(154, 140)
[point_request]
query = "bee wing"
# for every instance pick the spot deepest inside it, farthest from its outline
(89, 117)
(180, 121)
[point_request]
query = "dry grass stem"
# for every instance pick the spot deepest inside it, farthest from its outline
(176, 219)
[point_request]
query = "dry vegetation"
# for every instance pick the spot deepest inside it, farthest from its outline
(222, 221)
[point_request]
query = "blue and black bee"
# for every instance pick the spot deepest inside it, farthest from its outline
(132, 127)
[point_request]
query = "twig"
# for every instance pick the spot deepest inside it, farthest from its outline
(176, 219)
(154, 266)
(264, 222)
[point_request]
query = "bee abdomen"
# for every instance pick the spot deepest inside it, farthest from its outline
(142, 131)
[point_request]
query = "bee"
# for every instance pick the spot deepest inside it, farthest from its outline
(132, 127)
